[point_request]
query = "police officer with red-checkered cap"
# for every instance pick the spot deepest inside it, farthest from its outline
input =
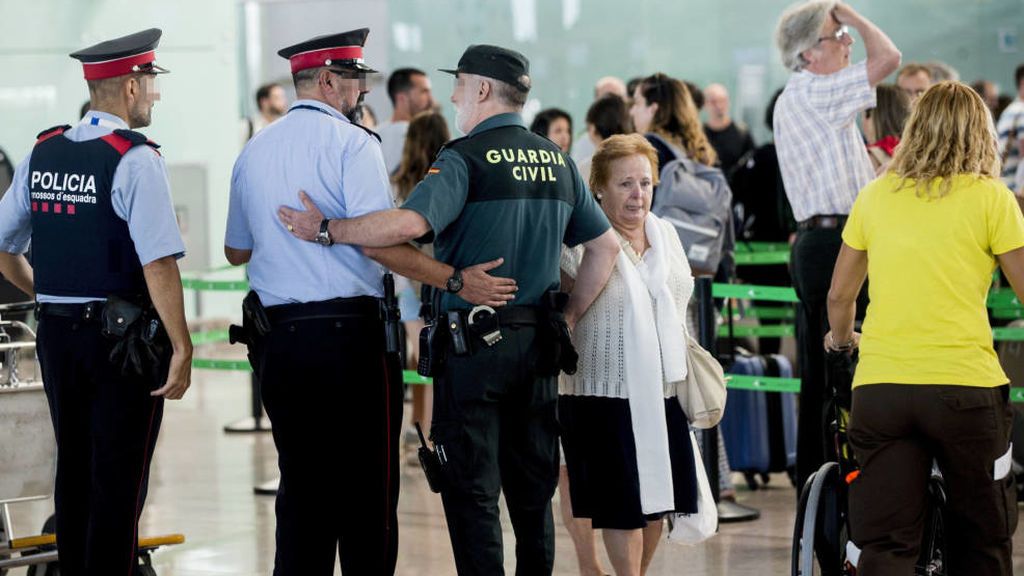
(94, 203)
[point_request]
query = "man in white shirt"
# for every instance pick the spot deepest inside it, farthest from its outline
(271, 104)
(1011, 138)
(409, 90)
(824, 163)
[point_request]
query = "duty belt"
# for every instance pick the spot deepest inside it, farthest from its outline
(357, 307)
(509, 315)
(86, 311)
(486, 322)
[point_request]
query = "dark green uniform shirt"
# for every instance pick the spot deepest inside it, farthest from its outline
(504, 192)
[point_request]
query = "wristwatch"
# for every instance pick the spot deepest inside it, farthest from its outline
(324, 237)
(454, 284)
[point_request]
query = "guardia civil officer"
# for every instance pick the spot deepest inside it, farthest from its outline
(499, 191)
(95, 204)
(332, 391)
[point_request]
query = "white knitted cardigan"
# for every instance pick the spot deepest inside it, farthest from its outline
(598, 336)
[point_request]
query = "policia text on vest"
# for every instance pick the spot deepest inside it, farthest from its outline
(62, 187)
(528, 165)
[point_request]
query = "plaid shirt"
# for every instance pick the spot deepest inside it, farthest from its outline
(822, 156)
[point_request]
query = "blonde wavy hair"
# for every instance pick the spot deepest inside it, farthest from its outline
(677, 118)
(614, 148)
(950, 132)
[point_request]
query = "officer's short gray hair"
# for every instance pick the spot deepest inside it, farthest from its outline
(303, 78)
(507, 93)
(798, 30)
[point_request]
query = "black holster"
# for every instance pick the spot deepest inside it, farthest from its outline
(255, 323)
(431, 464)
(142, 347)
(433, 337)
(557, 351)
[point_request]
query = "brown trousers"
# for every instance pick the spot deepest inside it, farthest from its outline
(896, 432)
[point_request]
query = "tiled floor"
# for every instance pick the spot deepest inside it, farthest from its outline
(202, 483)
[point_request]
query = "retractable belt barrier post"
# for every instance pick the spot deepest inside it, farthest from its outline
(706, 337)
(728, 511)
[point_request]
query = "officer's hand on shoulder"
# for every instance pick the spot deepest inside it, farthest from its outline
(304, 225)
(480, 288)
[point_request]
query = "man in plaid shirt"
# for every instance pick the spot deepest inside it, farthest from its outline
(824, 164)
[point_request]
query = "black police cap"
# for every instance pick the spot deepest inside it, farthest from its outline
(495, 62)
(342, 51)
(125, 55)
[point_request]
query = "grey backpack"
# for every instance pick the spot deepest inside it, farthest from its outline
(696, 200)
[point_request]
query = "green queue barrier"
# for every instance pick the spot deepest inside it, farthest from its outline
(761, 258)
(412, 378)
(1003, 302)
(769, 331)
(761, 253)
(747, 247)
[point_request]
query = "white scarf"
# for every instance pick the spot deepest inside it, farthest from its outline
(655, 352)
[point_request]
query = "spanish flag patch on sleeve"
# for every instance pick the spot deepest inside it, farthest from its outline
(433, 170)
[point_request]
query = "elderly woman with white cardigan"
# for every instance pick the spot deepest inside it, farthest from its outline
(626, 440)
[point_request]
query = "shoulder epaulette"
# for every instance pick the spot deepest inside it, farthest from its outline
(451, 143)
(125, 140)
(51, 132)
(368, 131)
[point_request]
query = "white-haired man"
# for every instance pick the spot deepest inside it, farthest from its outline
(824, 164)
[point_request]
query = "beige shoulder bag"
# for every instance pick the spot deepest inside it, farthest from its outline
(702, 393)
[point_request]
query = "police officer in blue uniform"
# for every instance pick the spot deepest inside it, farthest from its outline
(95, 205)
(315, 333)
(499, 191)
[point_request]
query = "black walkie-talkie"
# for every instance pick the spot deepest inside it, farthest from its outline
(431, 335)
(431, 463)
(392, 315)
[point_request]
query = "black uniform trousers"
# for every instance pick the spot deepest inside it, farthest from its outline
(334, 398)
(495, 425)
(812, 261)
(897, 431)
(106, 427)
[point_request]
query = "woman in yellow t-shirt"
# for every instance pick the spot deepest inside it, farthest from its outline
(929, 234)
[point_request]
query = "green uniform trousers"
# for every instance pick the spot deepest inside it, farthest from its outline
(495, 428)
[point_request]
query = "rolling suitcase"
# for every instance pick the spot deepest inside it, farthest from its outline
(759, 428)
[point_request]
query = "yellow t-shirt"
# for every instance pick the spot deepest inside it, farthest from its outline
(930, 264)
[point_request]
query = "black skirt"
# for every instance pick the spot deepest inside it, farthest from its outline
(600, 453)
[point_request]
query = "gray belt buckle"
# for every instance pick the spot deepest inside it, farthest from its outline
(490, 338)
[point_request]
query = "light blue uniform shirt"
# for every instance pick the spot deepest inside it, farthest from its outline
(140, 193)
(341, 168)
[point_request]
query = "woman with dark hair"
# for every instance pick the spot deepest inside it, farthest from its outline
(555, 125)
(664, 110)
(606, 117)
(427, 133)
(883, 124)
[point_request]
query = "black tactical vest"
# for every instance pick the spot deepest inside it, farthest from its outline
(80, 246)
